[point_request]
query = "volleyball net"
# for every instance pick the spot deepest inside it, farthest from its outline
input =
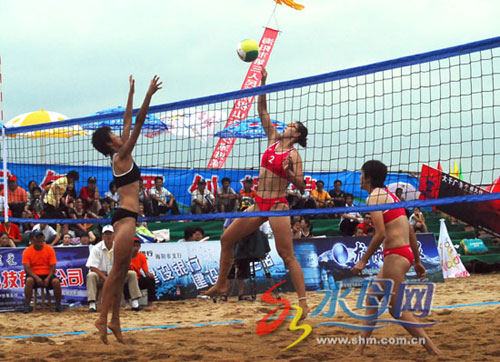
(413, 113)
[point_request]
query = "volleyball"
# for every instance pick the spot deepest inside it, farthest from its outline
(248, 50)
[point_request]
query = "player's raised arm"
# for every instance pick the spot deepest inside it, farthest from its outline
(270, 130)
(154, 86)
(127, 117)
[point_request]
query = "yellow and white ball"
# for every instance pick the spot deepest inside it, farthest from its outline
(248, 50)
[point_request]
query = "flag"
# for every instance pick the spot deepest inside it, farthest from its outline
(450, 259)
(439, 166)
(190, 123)
(460, 176)
(454, 171)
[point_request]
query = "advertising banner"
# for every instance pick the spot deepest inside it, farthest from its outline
(435, 184)
(71, 271)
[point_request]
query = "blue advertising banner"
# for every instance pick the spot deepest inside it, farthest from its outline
(184, 269)
(181, 182)
(71, 271)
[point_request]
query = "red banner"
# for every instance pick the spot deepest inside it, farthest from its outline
(242, 106)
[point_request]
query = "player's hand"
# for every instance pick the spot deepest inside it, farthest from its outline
(155, 85)
(358, 268)
(132, 83)
(420, 270)
(263, 72)
(287, 164)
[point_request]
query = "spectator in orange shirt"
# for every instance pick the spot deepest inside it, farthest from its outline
(140, 262)
(320, 196)
(247, 195)
(16, 197)
(39, 262)
(12, 230)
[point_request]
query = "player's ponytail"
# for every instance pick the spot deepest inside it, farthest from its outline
(302, 139)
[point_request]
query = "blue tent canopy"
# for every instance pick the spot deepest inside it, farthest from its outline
(249, 129)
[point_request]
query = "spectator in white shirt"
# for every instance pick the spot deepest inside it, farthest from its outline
(99, 264)
(349, 220)
(112, 195)
(202, 200)
(52, 237)
(162, 199)
(226, 197)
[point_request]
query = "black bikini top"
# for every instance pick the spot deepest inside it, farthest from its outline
(131, 176)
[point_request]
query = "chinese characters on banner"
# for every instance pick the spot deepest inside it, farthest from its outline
(243, 105)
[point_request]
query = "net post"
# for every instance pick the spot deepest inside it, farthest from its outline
(4, 151)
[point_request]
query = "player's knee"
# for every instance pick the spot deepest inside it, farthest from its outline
(287, 256)
(29, 283)
(55, 282)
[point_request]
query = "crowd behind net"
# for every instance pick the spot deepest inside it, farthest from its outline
(440, 106)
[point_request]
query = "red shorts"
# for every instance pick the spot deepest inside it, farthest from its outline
(404, 251)
(267, 204)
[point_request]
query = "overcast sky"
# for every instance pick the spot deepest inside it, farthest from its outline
(74, 57)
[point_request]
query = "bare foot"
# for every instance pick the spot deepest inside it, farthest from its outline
(360, 348)
(103, 330)
(217, 290)
(432, 348)
(117, 331)
(305, 309)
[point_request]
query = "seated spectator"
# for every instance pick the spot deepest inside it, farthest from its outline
(90, 196)
(5, 241)
(306, 228)
(31, 185)
(298, 200)
(39, 261)
(66, 241)
(106, 211)
(51, 236)
(399, 194)
(34, 206)
(320, 196)
(359, 231)
(112, 195)
(99, 263)
(84, 240)
(188, 234)
(12, 230)
(17, 197)
(202, 200)
(296, 231)
(52, 197)
(226, 197)
(199, 234)
(367, 223)
(417, 216)
(141, 228)
(418, 227)
(162, 199)
(146, 279)
(246, 194)
(370, 231)
(337, 196)
(145, 199)
(349, 220)
(81, 229)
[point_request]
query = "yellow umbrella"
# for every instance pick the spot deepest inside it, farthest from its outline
(42, 117)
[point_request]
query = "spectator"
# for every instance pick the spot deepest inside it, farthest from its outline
(320, 196)
(90, 195)
(16, 197)
(359, 231)
(247, 195)
(298, 200)
(52, 197)
(31, 185)
(418, 227)
(141, 228)
(162, 199)
(66, 241)
(367, 223)
(296, 231)
(50, 235)
(39, 261)
(145, 199)
(349, 220)
(106, 212)
(12, 230)
(199, 234)
(5, 241)
(416, 217)
(337, 195)
(84, 240)
(146, 279)
(399, 194)
(34, 207)
(370, 231)
(112, 195)
(226, 197)
(202, 200)
(188, 234)
(81, 229)
(306, 228)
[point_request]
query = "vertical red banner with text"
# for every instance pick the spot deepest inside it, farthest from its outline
(242, 106)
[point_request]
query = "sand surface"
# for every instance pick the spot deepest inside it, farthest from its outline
(467, 333)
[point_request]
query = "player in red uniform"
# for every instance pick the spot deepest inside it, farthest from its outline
(281, 164)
